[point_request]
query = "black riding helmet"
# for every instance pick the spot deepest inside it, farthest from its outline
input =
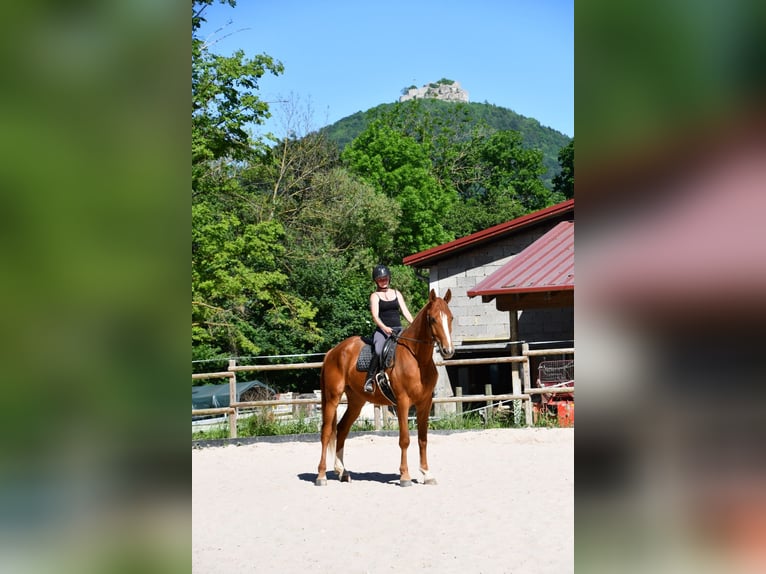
(380, 271)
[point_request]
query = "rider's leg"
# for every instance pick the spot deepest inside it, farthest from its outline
(378, 339)
(368, 384)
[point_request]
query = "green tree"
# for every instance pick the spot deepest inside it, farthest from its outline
(461, 118)
(284, 173)
(493, 174)
(563, 183)
(497, 179)
(399, 167)
(241, 302)
(339, 289)
(340, 214)
(224, 100)
(514, 171)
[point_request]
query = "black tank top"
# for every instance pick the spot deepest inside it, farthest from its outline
(388, 312)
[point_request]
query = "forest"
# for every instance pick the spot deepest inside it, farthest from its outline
(285, 231)
(465, 117)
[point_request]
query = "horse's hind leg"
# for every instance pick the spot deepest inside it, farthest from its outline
(329, 422)
(344, 426)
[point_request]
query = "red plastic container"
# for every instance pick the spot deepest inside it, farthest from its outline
(565, 413)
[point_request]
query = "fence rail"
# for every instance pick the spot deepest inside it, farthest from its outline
(525, 396)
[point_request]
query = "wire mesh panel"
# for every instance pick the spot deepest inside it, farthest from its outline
(552, 373)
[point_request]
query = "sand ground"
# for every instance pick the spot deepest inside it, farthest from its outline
(504, 502)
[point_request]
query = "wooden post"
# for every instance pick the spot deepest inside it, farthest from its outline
(459, 404)
(515, 349)
(488, 391)
(232, 399)
(525, 367)
(527, 384)
(528, 413)
(378, 417)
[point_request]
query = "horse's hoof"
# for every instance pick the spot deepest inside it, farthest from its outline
(431, 481)
(345, 477)
(321, 482)
(405, 483)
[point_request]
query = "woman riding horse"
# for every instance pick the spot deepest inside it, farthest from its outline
(413, 379)
(386, 304)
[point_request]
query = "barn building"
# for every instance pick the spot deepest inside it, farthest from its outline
(511, 283)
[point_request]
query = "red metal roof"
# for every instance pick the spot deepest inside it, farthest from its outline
(546, 265)
(428, 256)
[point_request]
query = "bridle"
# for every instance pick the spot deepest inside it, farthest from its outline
(398, 336)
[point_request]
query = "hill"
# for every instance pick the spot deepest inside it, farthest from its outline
(533, 134)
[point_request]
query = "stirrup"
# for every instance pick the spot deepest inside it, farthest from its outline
(369, 385)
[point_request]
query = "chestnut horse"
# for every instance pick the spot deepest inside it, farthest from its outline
(413, 379)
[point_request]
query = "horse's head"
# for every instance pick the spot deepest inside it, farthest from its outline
(439, 319)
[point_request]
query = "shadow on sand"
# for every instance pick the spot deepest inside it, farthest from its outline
(383, 478)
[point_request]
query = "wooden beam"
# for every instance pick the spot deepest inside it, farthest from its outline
(543, 300)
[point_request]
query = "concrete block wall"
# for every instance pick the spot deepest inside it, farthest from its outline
(474, 319)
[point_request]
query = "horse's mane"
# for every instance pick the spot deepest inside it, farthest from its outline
(419, 318)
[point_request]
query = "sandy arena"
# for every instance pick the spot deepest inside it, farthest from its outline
(504, 503)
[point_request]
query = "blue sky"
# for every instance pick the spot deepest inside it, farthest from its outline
(342, 56)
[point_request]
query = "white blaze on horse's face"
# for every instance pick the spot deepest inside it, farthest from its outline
(446, 350)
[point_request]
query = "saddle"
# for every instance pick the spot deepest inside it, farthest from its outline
(387, 360)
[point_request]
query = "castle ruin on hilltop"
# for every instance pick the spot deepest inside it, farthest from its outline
(444, 89)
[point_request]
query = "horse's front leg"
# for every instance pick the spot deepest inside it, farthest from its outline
(402, 410)
(353, 408)
(422, 416)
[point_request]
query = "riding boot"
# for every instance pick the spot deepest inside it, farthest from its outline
(369, 385)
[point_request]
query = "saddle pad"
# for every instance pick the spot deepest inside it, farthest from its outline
(365, 356)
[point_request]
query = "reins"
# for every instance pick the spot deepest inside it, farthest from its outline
(397, 337)
(400, 337)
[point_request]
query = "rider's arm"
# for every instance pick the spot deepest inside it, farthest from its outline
(403, 307)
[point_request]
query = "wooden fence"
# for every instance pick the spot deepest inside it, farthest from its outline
(523, 393)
